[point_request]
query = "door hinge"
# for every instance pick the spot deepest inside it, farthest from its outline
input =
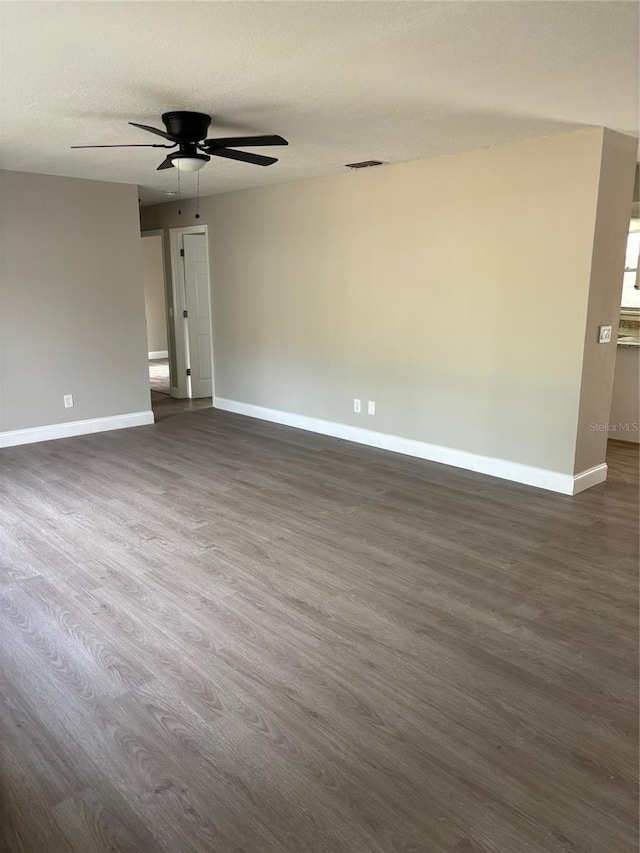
(185, 313)
(182, 253)
(188, 371)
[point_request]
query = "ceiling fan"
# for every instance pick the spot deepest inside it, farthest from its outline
(188, 131)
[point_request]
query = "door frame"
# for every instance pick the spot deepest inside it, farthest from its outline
(158, 232)
(179, 305)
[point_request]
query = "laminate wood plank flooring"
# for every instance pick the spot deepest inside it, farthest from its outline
(159, 375)
(165, 406)
(219, 634)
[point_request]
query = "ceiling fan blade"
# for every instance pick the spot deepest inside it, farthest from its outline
(257, 159)
(155, 130)
(166, 164)
(244, 141)
(138, 145)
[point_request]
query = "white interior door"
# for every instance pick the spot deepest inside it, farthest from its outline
(198, 302)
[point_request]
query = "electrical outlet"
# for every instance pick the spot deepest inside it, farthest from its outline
(371, 407)
(68, 401)
(604, 335)
(356, 405)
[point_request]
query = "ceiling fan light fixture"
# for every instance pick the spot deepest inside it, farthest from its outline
(188, 131)
(189, 162)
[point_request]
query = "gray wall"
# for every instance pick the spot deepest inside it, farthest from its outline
(154, 295)
(453, 291)
(72, 304)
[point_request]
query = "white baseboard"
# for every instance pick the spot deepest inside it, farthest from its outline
(163, 353)
(47, 433)
(590, 477)
(542, 478)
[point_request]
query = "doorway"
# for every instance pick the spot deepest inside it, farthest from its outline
(192, 312)
(625, 399)
(155, 303)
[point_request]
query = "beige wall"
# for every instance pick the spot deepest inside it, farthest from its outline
(605, 291)
(452, 291)
(154, 294)
(72, 304)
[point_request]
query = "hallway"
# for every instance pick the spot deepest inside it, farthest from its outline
(159, 375)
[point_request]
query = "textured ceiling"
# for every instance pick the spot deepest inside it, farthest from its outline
(343, 81)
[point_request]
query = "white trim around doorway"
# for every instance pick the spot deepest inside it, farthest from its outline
(180, 388)
(158, 232)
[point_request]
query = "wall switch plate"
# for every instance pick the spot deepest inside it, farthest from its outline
(68, 401)
(371, 407)
(356, 405)
(604, 335)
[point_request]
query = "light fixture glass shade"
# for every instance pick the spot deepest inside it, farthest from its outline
(189, 164)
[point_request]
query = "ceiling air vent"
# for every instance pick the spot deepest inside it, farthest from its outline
(364, 164)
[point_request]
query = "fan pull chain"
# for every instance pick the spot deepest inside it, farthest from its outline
(198, 198)
(179, 210)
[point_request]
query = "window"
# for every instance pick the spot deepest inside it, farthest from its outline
(631, 282)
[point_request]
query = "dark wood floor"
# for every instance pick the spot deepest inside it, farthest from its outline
(223, 635)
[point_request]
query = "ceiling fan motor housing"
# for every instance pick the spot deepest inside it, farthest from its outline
(187, 126)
